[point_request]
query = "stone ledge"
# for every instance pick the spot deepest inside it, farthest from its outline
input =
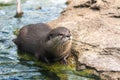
(96, 34)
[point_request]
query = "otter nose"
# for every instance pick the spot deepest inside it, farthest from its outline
(69, 37)
(65, 36)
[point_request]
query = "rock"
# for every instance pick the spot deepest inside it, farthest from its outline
(38, 8)
(96, 34)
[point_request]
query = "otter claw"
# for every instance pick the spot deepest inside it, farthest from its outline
(46, 60)
(64, 62)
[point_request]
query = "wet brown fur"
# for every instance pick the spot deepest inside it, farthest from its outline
(34, 39)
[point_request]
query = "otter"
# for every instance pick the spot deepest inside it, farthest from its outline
(46, 44)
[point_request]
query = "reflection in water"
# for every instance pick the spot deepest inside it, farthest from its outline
(11, 67)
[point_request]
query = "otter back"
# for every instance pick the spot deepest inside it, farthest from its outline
(30, 35)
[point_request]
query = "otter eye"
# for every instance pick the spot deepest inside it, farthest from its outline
(68, 36)
(60, 34)
(50, 36)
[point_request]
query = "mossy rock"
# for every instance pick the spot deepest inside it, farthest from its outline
(61, 70)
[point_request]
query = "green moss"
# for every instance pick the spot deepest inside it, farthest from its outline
(63, 76)
(25, 56)
(56, 67)
(16, 32)
(88, 73)
(2, 4)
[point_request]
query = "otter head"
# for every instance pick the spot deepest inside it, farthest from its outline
(59, 41)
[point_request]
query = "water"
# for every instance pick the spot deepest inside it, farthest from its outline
(11, 67)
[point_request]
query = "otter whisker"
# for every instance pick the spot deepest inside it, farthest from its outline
(57, 43)
(60, 47)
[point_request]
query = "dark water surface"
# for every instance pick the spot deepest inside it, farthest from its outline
(11, 67)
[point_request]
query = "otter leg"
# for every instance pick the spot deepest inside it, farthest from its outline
(64, 59)
(42, 58)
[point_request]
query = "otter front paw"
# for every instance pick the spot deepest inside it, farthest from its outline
(42, 58)
(64, 61)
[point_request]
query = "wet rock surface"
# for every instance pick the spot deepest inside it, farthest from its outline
(95, 25)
